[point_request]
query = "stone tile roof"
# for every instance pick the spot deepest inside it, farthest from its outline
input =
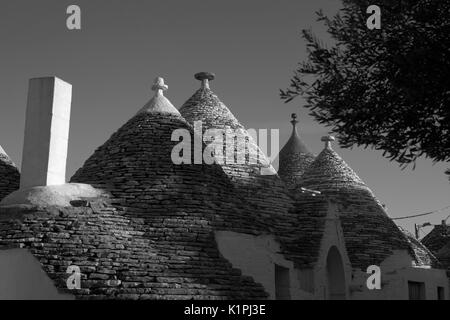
(205, 106)
(298, 231)
(438, 241)
(422, 255)
(171, 255)
(297, 224)
(444, 255)
(178, 207)
(302, 236)
(266, 193)
(370, 235)
(437, 238)
(9, 175)
(154, 239)
(294, 158)
(329, 171)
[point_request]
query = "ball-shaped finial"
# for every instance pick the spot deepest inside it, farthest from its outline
(294, 120)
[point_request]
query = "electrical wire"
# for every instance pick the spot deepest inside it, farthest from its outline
(422, 214)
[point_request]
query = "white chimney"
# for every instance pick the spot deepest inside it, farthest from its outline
(46, 133)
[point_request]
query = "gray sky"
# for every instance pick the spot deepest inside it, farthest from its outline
(253, 47)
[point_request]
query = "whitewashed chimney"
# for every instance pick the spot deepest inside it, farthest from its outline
(46, 133)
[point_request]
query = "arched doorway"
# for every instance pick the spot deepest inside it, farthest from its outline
(335, 275)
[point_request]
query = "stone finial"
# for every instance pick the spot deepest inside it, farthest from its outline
(159, 87)
(159, 103)
(294, 120)
(328, 140)
(205, 77)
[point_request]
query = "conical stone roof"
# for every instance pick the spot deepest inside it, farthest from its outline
(167, 214)
(294, 158)
(438, 241)
(205, 106)
(258, 183)
(9, 175)
(267, 193)
(330, 172)
(370, 235)
(423, 256)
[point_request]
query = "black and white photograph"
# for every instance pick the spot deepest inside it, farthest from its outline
(220, 156)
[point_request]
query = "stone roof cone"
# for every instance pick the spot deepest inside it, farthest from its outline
(9, 175)
(266, 192)
(438, 241)
(295, 157)
(174, 206)
(329, 171)
(205, 106)
(362, 215)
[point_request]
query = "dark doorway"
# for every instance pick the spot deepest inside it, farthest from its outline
(335, 275)
(441, 293)
(282, 291)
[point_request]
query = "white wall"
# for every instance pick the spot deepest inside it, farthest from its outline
(396, 271)
(22, 278)
(256, 257)
(333, 237)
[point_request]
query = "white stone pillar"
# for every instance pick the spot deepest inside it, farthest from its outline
(46, 133)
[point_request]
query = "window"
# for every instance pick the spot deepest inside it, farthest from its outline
(440, 293)
(282, 291)
(416, 290)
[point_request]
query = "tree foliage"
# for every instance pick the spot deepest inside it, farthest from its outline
(388, 89)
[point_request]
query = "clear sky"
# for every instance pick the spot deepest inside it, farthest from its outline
(253, 47)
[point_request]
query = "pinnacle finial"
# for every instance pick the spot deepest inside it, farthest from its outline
(294, 120)
(159, 87)
(205, 77)
(328, 140)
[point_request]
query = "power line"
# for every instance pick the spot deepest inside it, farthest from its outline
(422, 214)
